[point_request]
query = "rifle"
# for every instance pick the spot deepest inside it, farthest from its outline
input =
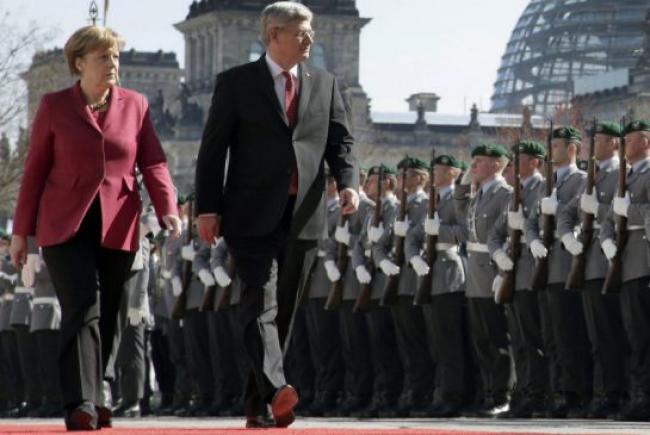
(615, 272)
(363, 299)
(423, 293)
(576, 278)
(392, 282)
(223, 301)
(505, 292)
(540, 274)
(335, 294)
(181, 302)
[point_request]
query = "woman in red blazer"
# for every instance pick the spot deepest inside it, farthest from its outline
(79, 196)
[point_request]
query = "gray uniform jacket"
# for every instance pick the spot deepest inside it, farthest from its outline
(636, 258)
(482, 212)
(408, 279)
(559, 259)
(319, 283)
(570, 217)
(170, 262)
(383, 249)
(499, 237)
(356, 226)
(7, 289)
(201, 261)
(137, 287)
(219, 256)
(448, 270)
(46, 312)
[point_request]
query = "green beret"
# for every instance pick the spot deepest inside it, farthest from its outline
(387, 170)
(638, 125)
(490, 150)
(419, 164)
(609, 128)
(446, 160)
(181, 199)
(531, 148)
(404, 163)
(567, 133)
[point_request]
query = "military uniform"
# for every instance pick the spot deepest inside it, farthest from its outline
(487, 321)
(602, 312)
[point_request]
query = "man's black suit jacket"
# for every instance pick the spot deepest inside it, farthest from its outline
(247, 143)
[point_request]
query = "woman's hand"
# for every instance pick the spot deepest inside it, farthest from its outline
(18, 251)
(173, 224)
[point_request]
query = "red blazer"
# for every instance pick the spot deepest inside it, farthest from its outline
(71, 161)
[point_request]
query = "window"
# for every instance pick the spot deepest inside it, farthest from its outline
(318, 56)
(255, 51)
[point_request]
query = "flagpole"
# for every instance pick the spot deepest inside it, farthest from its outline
(106, 3)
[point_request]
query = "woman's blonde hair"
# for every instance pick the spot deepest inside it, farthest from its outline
(88, 39)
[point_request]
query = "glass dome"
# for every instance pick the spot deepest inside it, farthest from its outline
(557, 41)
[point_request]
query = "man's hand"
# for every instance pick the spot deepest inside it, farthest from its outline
(349, 200)
(208, 225)
(173, 224)
(18, 251)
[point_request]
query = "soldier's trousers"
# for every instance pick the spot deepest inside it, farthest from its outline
(47, 345)
(243, 367)
(198, 351)
(531, 361)
(26, 345)
(410, 331)
(130, 363)
(448, 340)
(489, 333)
(325, 345)
(178, 357)
(389, 373)
(635, 307)
(228, 380)
(299, 365)
(163, 367)
(355, 346)
(569, 333)
(550, 347)
(15, 387)
(609, 348)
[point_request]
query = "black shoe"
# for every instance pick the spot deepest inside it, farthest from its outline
(450, 409)
(82, 417)
(637, 409)
(526, 408)
(259, 422)
(371, 410)
(104, 415)
(325, 402)
(389, 407)
(129, 409)
(350, 405)
(603, 406)
(50, 410)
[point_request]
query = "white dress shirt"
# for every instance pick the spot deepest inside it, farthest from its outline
(280, 82)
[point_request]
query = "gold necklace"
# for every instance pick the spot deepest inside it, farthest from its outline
(94, 107)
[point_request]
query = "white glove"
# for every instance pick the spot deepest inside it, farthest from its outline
(549, 204)
(28, 272)
(135, 316)
(467, 178)
(166, 274)
(589, 203)
(573, 245)
(177, 286)
(503, 261)
(187, 252)
(621, 205)
(11, 278)
(388, 267)
(609, 248)
(363, 276)
(333, 273)
(342, 234)
(221, 276)
(516, 220)
(206, 278)
(538, 249)
(432, 226)
(375, 233)
(419, 265)
(496, 283)
(401, 227)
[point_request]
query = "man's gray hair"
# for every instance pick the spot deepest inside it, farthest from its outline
(279, 14)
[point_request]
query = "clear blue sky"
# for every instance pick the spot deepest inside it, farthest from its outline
(450, 47)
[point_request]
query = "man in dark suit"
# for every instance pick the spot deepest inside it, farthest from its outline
(276, 122)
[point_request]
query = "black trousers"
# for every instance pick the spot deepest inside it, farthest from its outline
(270, 268)
(388, 369)
(179, 359)
(571, 342)
(15, 387)
(130, 363)
(299, 364)
(410, 331)
(229, 383)
(325, 341)
(609, 348)
(489, 334)
(446, 329)
(531, 361)
(355, 346)
(26, 344)
(635, 307)
(550, 347)
(163, 367)
(198, 351)
(89, 281)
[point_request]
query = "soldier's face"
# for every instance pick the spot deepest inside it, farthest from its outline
(415, 179)
(604, 146)
(637, 146)
(371, 186)
(483, 168)
(527, 165)
(443, 175)
(563, 151)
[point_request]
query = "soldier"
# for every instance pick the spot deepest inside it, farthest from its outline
(563, 323)
(409, 320)
(523, 314)
(602, 312)
(445, 317)
(487, 322)
(323, 325)
(634, 297)
(376, 244)
(355, 341)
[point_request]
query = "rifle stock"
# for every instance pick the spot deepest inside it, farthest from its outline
(390, 295)
(423, 292)
(335, 294)
(181, 302)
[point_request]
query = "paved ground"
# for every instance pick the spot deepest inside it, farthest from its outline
(439, 427)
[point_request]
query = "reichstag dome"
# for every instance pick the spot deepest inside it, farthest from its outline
(558, 41)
